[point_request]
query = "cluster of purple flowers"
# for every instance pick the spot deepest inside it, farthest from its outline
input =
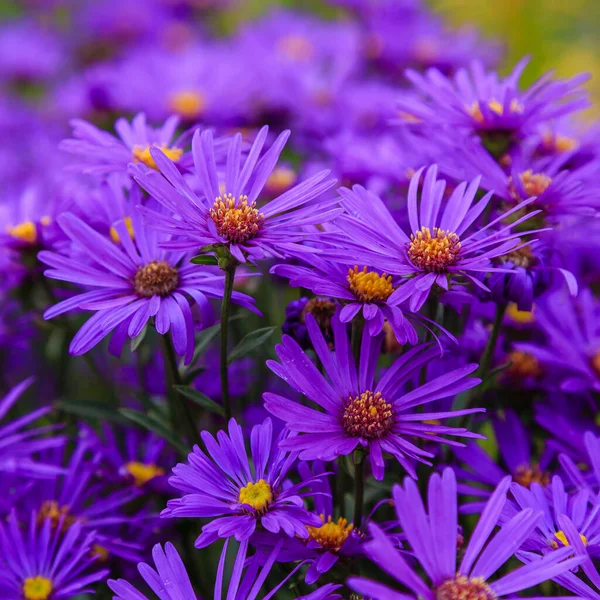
(294, 308)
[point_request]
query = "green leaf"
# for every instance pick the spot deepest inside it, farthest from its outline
(151, 423)
(200, 399)
(138, 339)
(206, 336)
(253, 340)
(204, 259)
(90, 410)
(192, 374)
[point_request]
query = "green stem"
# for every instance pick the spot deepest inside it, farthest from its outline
(182, 418)
(225, 310)
(488, 353)
(359, 490)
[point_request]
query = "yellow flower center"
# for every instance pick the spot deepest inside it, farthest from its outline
(142, 473)
(280, 180)
(534, 184)
(257, 495)
(522, 317)
(559, 143)
(332, 534)
(368, 416)
(236, 221)
(496, 107)
(433, 252)
(37, 588)
(51, 510)
(295, 47)
(525, 475)
(24, 232)
(523, 365)
(157, 278)
(142, 154)
(100, 553)
(562, 538)
(188, 104)
(465, 588)
(369, 286)
(114, 236)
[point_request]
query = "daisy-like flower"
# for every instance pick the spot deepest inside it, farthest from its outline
(227, 214)
(481, 473)
(362, 289)
(590, 479)
(478, 101)
(439, 250)
(18, 443)
(100, 153)
(40, 563)
(132, 281)
(236, 496)
(358, 411)
(432, 535)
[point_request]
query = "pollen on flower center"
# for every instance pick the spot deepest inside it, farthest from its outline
(368, 416)
(523, 365)
(562, 538)
(37, 588)
(523, 257)
(51, 510)
(433, 252)
(369, 286)
(142, 154)
(534, 184)
(24, 232)
(525, 475)
(188, 103)
(465, 588)
(496, 107)
(257, 495)
(519, 316)
(157, 278)
(236, 221)
(332, 534)
(142, 473)
(322, 310)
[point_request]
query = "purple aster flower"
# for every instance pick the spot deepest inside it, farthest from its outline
(477, 101)
(19, 444)
(133, 281)
(361, 289)
(438, 250)
(571, 347)
(41, 563)
(481, 473)
(227, 217)
(237, 497)
(588, 480)
(358, 411)
(432, 535)
(100, 153)
(322, 309)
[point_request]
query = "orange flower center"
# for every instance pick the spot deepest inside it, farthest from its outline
(236, 221)
(332, 534)
(368, 415)
(157, 278)
(465, 588)
(528, 474)
(433, 252)
(369, 286)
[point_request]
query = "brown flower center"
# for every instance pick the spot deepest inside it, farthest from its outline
(368, 416)
(236, 221)
(523, 365)
(523, 257)
(525, 475)
(465, 588)
(433, 252)
(534, 184)
(157, 278)
(51, 510)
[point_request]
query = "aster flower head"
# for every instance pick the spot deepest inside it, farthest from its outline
(40, 563)
(19, 444)
(360, 412)
(362, 289)
(321, 308)
(432, 535)
(227, 215)
(444, 246)
(223, 486)
(101, 153)
(479, 101)
(132, 281)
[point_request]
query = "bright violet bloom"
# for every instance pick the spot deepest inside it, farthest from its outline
(363, 289)
(479, 101)
(228, 213)
(358, 411)
(101, 153)
(439, 248)
(585, 481)
(132, 281)
(236, 496)
(432, 536)
(42, 562)
(18, 443)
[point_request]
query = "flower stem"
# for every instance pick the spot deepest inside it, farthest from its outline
(225, 309)
(181, 416)
(359, 489)
(488, 353)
